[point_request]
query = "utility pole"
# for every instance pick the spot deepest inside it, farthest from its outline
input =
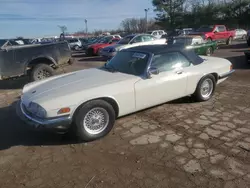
(86, 26)
(146, 18)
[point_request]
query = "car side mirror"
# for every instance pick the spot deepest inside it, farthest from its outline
(153, 71)
(215, 31)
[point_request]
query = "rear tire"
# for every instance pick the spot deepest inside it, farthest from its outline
(205, 88)
(41, 71)
(90, 52)
(94, 120)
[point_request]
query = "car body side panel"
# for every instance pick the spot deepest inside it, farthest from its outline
(14, 60)
(210, 65)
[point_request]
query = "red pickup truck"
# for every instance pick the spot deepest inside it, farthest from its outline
(218, 33)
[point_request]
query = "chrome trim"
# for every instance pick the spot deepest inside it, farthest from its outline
(53, 121)
(226, 74)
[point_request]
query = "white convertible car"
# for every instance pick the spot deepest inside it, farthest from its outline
(87, 102)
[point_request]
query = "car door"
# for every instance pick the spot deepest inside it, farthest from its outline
(168, 85)
(147, 39)
(136, 41)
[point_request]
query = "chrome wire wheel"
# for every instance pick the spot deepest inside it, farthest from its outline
(96, 120)
(206, 88)
(43, 74)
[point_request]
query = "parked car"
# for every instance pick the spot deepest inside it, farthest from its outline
(90, 42)
(218, 33)
(196, 42)
(170, 35)
(87, 102)
(74, 43)
(94, 49)
(157, 33)
(39, 61)
(240, 34)
(247, 55)
(248, 38)
(130, 41)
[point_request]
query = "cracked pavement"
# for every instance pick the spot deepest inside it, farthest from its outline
(174, 145)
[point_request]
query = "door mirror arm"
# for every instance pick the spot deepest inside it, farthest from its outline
(152, 71)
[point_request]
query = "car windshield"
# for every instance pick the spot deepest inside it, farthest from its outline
(126, 40)
(208, 28)
(128, 62)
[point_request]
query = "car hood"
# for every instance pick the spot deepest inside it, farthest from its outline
(72, 82)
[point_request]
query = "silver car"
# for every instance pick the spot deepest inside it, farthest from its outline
(129, 42)
(74, 43)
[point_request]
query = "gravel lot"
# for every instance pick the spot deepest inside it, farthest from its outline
(175, 145)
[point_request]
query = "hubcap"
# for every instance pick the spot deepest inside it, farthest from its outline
(96, 120)
(42, 74)
(207, 88)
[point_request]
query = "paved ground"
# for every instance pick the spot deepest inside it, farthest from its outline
(178, 144)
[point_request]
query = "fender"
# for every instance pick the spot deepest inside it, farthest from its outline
(37, 59)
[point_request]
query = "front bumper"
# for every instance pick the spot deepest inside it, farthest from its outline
(225, 75)
(57, 124)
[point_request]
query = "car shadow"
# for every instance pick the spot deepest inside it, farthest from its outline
(78, 54)
(237, 45)
(94, 58)
(239, 62)
(17, 83)
(14, 132)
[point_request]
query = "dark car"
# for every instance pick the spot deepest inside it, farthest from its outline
(39, 61)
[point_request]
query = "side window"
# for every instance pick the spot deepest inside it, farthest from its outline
(155, 33)
(169, 61)
(221, 28)
(147, 38)
(216, 29)
(160, 32)
(137, 39)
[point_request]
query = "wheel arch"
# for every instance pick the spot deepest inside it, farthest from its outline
(107, 99)
(43, 59)
(214, 74)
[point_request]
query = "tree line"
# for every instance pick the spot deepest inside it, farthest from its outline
(194, 13)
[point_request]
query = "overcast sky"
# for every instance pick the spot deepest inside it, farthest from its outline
(34, 18)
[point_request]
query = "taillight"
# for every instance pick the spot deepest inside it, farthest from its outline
(231, 67)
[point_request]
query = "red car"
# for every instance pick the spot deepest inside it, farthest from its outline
(94, 49)
(218, 33)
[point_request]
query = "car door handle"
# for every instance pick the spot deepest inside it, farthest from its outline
(179, 72)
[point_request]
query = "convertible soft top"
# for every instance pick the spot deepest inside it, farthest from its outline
(164, 48)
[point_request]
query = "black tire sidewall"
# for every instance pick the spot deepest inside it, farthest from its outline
(34, 71)
(80, 132)
(197, 93)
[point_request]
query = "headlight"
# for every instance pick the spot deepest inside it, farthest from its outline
(37, 110)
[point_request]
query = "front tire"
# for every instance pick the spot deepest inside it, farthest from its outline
(41, 71)
(94, 120)
(205, 88)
